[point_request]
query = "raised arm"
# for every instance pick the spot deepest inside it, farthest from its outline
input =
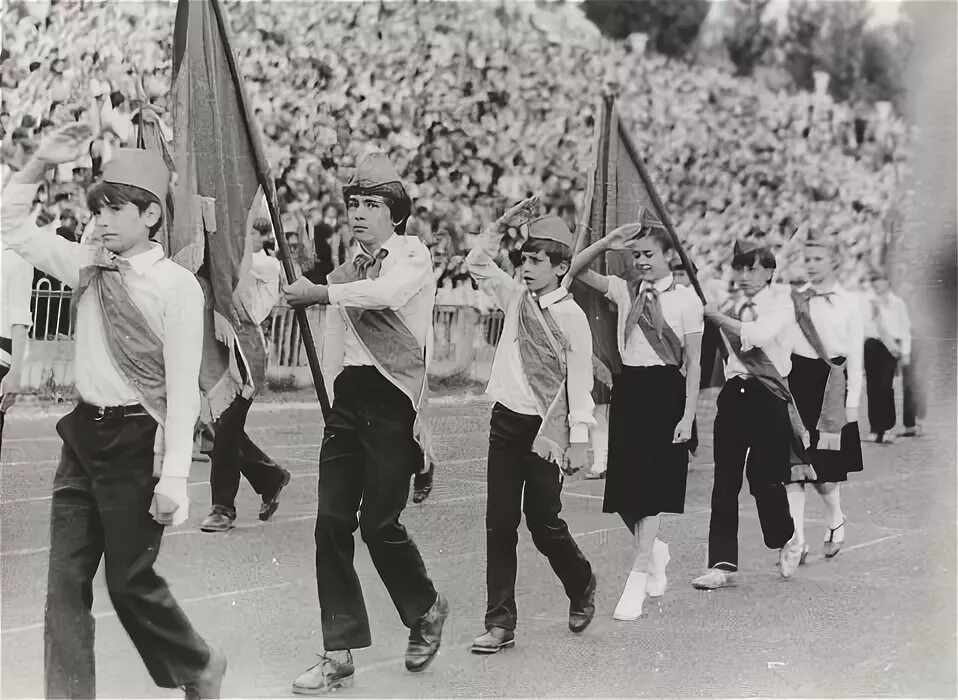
(615, 240)
(42, 248)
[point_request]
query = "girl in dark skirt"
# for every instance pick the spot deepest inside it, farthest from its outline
(652, 412)
(826, 382)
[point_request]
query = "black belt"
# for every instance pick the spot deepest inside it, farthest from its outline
(114, 412)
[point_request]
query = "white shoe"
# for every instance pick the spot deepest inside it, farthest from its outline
(630, 604)
(712, 579)
(789, 558)
(659, 560)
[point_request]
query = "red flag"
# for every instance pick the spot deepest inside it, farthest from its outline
(619, 187)
(218, 153)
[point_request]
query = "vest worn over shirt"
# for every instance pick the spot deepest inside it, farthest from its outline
(542, 352)
(394, 348)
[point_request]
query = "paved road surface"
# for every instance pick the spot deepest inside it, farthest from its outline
(877, 620)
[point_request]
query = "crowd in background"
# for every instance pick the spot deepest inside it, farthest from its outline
(478, 106)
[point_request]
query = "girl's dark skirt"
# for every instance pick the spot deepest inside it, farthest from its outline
(646, 472)
(807, 384)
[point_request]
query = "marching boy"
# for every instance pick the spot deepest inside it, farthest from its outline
(541, 382)
(757, 430)
(127, 445)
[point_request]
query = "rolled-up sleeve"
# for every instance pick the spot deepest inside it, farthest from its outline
(182, 354)
(393, 289)
(41, 247)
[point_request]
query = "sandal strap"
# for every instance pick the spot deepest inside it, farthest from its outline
(833, 530)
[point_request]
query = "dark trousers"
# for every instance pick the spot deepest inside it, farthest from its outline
(914, 400)
(880, 367)
(234, 454)
(751, 434)
(367, 459)
(100, 509)
(519, 481)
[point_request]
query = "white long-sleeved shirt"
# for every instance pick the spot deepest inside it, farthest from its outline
(508, 384)
(260, 291)
(892, 317)
(405, 284)
(681, 309)
(838, 320)
(16, 289)
(771, 331)
(168, 296)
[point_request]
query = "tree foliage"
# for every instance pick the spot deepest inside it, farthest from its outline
(749, 36)
(672, 25)
(800, 39)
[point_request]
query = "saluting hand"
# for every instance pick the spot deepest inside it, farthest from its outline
(618, 238)
(66, 144)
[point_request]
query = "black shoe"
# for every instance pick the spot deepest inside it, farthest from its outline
(582, 612)
(207, 686)
(422, 484)
(220, 520)
(426, 635)
(271, 503)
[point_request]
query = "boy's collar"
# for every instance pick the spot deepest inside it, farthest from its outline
(549, 298)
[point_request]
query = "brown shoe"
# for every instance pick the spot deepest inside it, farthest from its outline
(328, 675)
(210, 681)
(426, 635)
(493, 641)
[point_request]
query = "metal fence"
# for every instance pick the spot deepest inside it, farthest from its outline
(464, 340)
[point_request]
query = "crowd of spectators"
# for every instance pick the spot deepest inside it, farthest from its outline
(478, 105)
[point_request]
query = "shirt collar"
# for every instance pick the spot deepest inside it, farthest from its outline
(547, 300)
(141, 262)
(661, 285)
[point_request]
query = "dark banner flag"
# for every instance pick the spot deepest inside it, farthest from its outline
(219, 164)
(619, 187)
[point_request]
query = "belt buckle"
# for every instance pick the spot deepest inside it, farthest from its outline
(100, 414)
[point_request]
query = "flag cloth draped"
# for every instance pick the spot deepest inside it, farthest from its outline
(619, 187)
(219, 161)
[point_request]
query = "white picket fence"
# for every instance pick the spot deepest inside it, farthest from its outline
(465, 342)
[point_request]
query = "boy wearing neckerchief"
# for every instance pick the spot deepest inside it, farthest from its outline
(826, 381)
(541, 382)
(127, 445)
(376, 345)
(654, 396)
(757, 428)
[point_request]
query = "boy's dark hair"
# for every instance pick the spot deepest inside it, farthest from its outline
(394, 196)
(746, 261)
(657, 234)
(555, 251)
(109, 194)
(261, 224)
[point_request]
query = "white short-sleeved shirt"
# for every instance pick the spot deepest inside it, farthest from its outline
(681, 309)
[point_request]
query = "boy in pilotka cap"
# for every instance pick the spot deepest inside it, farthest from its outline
(377, 345)
(127, 445)
(541, 382)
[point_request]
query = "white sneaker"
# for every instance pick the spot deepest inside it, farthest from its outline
(712, 579)
(789, 558)
(629, 606)
(659, 560)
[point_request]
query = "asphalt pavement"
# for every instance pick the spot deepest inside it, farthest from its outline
(878, 620)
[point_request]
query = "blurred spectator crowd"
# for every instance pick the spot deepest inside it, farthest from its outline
(478, 105)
